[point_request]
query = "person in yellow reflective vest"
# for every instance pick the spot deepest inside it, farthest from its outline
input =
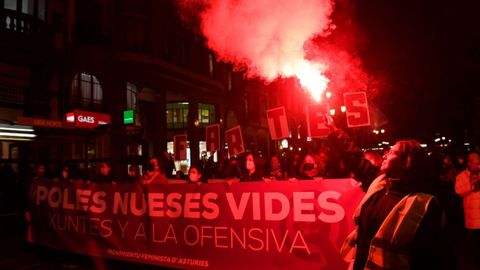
(399, 221)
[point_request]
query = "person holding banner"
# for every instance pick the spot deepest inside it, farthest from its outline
(195, 175)
(399, 221)
(41, 172)
(275, 169)
(232, 170)
(308, 168)
(63, 173)
(105, 174)
(153, 176)
(252, 173)
(293, 170)
(133, 174)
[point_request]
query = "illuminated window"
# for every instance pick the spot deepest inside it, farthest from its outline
(204, 154)
(27, 7)
(87, 91)
(206, 114)
(132, 92)
(184, 165)
(10, 4)
(177, 115)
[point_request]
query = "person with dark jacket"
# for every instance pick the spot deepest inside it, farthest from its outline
(400, 221)
(232, 170)
(275, 170)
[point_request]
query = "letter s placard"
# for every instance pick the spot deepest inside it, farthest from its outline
(357, 112)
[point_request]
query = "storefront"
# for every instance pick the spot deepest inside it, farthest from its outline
(81, 141)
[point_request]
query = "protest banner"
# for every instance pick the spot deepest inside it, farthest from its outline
(254, 225)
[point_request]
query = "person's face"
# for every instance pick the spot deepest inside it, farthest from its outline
(133, 171)
(473, 163)
(309, 159)
(194, 175)
(309, 163)
(274, 162)
(104, 169)
(249, 163)
(154, 162)
(392, 162)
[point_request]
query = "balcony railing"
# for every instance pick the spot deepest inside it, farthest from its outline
(14, 21)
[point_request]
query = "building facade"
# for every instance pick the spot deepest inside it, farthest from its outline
(133, 61)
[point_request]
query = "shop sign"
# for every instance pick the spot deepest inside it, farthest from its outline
(41, 122)
(84, 119)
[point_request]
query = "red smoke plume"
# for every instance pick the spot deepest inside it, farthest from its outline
(279, 38)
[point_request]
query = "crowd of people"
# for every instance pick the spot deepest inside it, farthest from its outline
(323, 163)
(441, 190)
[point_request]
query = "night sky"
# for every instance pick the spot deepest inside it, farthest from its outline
(429, 51)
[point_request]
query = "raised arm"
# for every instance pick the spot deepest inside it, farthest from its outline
(363, 169)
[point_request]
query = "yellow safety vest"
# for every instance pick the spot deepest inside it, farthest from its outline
(388, 248)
